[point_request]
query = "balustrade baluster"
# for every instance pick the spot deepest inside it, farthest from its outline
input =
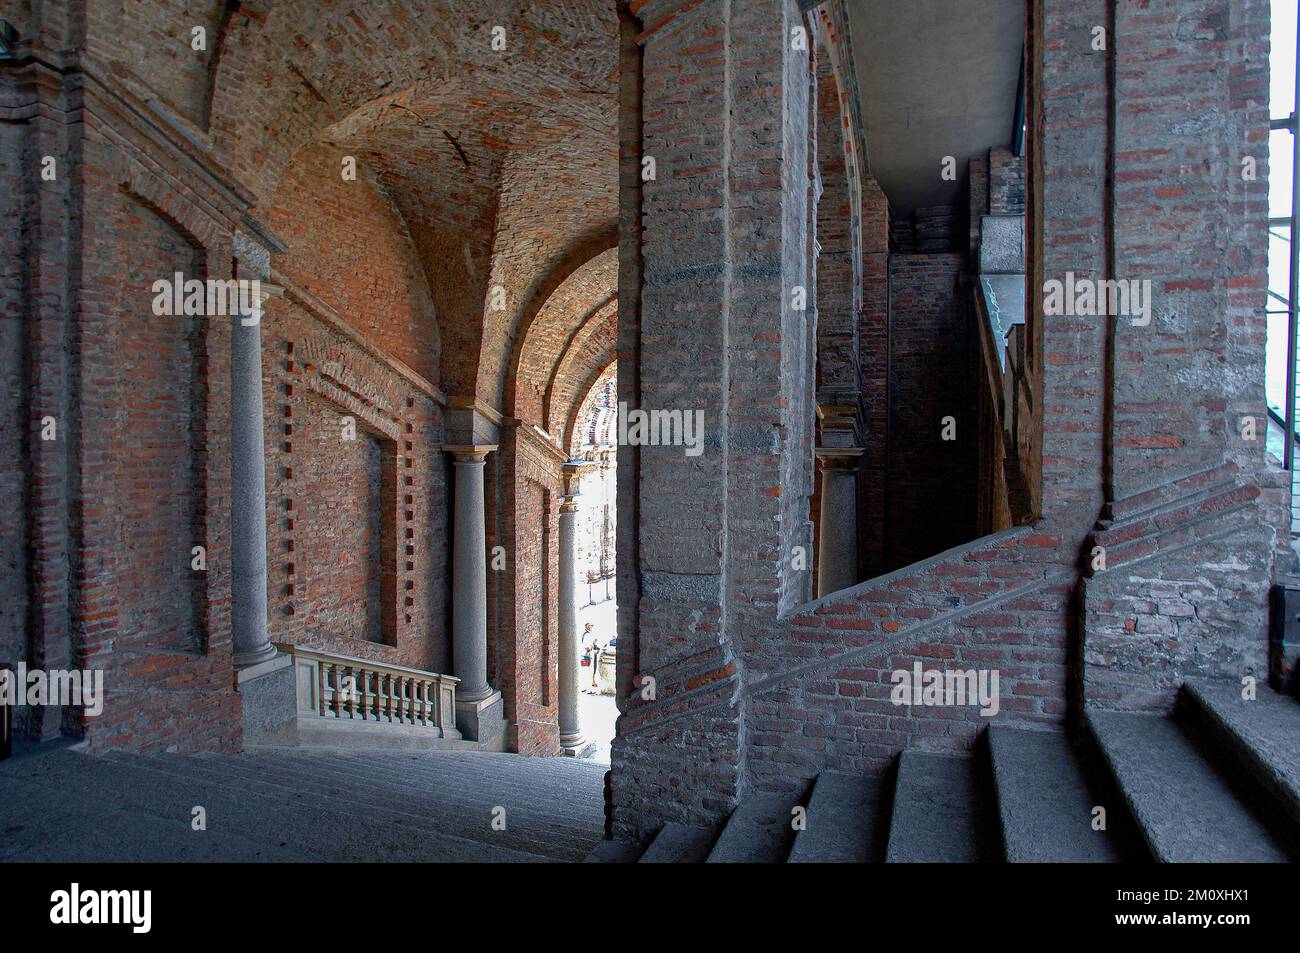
(437, 703)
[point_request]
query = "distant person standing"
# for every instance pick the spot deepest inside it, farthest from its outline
(593, 647)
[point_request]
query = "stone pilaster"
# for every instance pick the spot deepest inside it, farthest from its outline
(837, 541)
(837, 520)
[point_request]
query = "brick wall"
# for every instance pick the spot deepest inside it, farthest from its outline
(1188, 538)
(150, 401)
(525, 642)
(339, 509)
(14, 408)
(355, 337)
(930, 481)
(838, 295)
(1006, 183)
(156, 482)
(873, 348)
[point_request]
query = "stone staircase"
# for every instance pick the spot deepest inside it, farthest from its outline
(1216, 780)
(62, 805)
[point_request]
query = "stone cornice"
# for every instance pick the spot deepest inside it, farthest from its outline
(534, 438)
(476, 405)
(143, 123)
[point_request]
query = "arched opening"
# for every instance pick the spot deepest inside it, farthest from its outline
(925, 372)
(593, 443)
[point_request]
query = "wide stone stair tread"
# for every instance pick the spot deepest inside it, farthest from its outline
(1263, 734)
(679, 844)
(1186, 807)
(759, 831)
(390, 823)
(289, 807)
(1044, 803)
(400, 806)
(273, 803)
(941, 811)
(556, 805)
(614, 852)
(60, 829)
(845, 821)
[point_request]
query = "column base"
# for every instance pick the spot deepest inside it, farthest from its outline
(481, 720)
(573, 746)
(256, 657)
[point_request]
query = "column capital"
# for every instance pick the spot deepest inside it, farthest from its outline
(838, 421)
(839, 458)
(470, 452)
(571, 473)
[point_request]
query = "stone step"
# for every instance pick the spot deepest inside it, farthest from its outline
(759, 831)
(846, 821)
(52, 824)
(558, 797)
(941, 811)
(380, 808)
(1263, 735)
(1044, 800)
(576, 799)
(326, 827)
(679, 844)
(1186, 807)
(355, 733)
(614, 852)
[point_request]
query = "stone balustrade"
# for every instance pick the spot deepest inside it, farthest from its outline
(339, 687)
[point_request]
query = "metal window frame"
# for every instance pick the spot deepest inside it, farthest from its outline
(1292, 125)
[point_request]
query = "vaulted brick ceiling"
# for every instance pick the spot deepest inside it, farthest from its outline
(502, 162)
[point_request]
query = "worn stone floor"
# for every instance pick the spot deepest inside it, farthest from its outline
(64, 805)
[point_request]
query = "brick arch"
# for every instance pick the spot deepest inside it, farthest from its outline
(590, 350)
(580, 287)
(591, 390)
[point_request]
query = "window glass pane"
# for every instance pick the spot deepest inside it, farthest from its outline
(1275, 364)
(1280, 146)
(1279, 264)
(1282, 60)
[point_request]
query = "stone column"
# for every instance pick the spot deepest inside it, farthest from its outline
(478, 706)
(837, 541)
(572, 741)
(248, 490)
